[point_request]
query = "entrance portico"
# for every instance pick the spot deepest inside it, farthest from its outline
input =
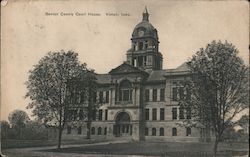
(122, 126)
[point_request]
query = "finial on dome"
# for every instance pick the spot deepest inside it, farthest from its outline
(145, 14)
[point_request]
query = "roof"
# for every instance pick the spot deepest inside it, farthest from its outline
(154, 76)
(157, 75)
(103, 78)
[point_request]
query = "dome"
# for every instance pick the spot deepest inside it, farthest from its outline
(145, 28)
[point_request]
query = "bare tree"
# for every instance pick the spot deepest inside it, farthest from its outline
(219, 87)
(47, 84)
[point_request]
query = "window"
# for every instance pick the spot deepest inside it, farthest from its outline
(105, 131)
(189, 113)
(162, 94)
(146, 114)
(82, 97)
(161, 131)
(92, 130)
(94, 97)
(154, 94)
(153, 131)
(101, 96)
(181, 113)
(188, 131)
(154, 117)
(69, 130)
(140, 45)
(174, 132)
(162, 114)
(81, 115)
(107, 97)
(99, 131)
(100, 114)
(94, 114)
(106, 114)
(174, 113)
(181, 93)
(174, 94)
(125, 92)
(147, 95)
(79, 130)
(146, 131)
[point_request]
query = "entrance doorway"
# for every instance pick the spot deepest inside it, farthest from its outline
(122, 125)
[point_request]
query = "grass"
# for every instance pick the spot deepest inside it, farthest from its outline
(147, 148)
(12, 143)
(158, 149)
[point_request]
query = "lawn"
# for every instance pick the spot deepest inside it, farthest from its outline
(160, 149)
(12, 143)
(166, 149)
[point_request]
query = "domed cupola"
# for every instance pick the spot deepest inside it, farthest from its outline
(144, 46)
(145, 28)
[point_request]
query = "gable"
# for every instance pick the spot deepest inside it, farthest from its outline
(126, 68)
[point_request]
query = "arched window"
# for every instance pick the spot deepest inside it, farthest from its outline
(174, 132)
(92, 130)
(153, 131)
(99, 132)
(188, 131)
(146, 131)
(125, 91)
(161, 131)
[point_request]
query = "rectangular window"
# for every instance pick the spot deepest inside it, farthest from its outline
(81, 115)
(181, 93)
(154, 116)
(101, 96)
(107, 97)
(174, 132)
(147, 95)
(94, 97)
(174, 94)
(181, 113)
(188, 131)
(189, 113)
(125, 95)
(146, 114)
(79, 130)
(162, 114)
(154, 94)
(82, 97)
(100, 114)
(174, 113)
(94, 114)
(106, 114)
(162, 95)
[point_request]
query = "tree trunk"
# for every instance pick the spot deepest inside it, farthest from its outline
(59, 137)
(216, 146)
(88, 130)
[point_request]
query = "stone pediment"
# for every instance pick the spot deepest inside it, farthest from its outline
(126, 68)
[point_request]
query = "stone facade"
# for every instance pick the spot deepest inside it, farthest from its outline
(138, 99)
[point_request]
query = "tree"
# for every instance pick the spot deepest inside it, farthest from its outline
(243, 121)
(18, 119)
(47, 87)
(5, 127)
(219, 87)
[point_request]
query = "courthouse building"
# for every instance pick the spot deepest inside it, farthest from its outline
(138, 99)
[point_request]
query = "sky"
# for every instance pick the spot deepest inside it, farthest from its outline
(183, 27)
